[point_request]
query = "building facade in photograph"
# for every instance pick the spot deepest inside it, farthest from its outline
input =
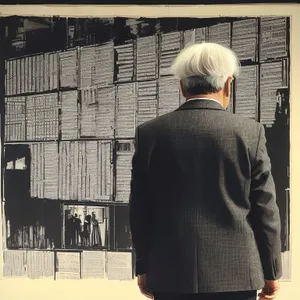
(74, 92)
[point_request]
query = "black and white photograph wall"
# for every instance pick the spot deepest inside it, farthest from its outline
(74, 90)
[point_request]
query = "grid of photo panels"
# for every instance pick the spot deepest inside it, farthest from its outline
(75, 90)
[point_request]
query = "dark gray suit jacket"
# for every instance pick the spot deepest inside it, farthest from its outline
(203, 210)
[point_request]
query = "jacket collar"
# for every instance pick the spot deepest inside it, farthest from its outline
(201, 104)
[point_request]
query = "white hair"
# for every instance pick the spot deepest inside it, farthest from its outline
(206, 64)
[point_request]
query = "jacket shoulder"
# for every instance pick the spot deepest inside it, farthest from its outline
(239, 122)
(154, 123)
(244, 122)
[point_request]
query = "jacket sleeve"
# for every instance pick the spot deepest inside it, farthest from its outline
(139, 213)
(265, 213)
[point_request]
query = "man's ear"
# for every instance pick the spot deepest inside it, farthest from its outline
(181, 89)
(227, 87)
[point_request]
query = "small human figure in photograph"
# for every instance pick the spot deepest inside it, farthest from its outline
(96, 240)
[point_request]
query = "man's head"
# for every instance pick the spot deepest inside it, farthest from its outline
(206, 70)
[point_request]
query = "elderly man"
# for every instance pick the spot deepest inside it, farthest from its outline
(203, 213)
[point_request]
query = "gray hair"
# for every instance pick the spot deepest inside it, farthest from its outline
(204, 68)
